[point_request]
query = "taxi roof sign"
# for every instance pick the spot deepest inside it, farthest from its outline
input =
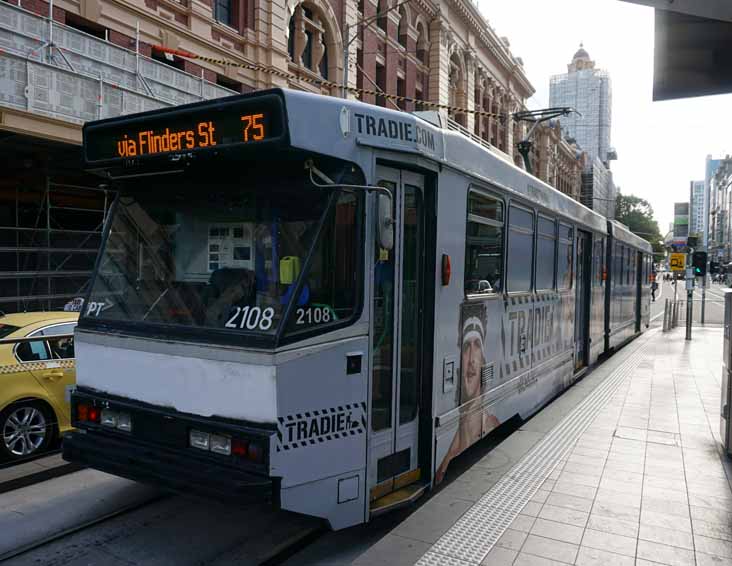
(677, 262)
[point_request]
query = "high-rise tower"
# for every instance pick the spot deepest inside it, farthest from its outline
(587, 90)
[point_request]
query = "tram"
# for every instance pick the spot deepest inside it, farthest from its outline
(321, 302)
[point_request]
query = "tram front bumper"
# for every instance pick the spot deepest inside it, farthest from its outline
(170, 469)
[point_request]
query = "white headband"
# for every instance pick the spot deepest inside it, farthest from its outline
(473, 330)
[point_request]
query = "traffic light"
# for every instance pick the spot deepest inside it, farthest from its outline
(691, 241)
(713, 267)
(699, 263)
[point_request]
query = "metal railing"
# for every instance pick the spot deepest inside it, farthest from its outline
(675, 313)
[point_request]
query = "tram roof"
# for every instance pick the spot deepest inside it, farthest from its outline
(344, 126)
(622, 233)
(320, 124)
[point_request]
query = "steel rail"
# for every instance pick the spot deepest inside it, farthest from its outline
(25, 549)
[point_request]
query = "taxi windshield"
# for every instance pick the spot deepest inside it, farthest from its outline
(197, 251)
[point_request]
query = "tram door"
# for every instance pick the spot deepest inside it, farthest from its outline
(397, 334)
(582, 298)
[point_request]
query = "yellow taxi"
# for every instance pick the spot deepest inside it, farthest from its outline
(36, 378)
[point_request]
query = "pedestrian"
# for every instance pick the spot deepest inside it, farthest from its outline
(654, 288)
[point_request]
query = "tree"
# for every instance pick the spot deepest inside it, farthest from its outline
(637, 214)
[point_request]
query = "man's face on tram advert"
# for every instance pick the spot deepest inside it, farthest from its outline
(473, 357)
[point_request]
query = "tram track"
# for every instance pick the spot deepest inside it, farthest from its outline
(28, 548)
(137, 524)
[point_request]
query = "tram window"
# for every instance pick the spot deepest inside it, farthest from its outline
(520, 249)
(331, 281)
(227, 255)
(619, 262)
(565, 257)
(483, 245)
(546, 251)
(598, 266)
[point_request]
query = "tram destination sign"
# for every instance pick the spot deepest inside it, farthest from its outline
(201, 127)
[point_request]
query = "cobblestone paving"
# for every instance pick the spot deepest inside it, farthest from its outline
(646, 483)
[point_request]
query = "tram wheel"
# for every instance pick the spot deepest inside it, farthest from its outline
(26, 429)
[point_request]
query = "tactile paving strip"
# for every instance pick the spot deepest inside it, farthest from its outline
(470, 539)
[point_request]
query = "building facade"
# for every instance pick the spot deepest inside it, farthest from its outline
(94, 59)
(587, 90)
(696, 209)
(681, 222)
(720, 225)
(710, 201)
(598, 188)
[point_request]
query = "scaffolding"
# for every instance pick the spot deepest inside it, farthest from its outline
(51, 213)
(54, 70)
(48, 252)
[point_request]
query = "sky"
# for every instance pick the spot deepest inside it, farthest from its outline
(661, 146)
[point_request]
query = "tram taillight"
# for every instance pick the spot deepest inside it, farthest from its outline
(239, 447)
(87, 413)
(255, 452)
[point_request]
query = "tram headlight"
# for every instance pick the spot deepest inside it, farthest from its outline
(200, 440)
(221, 444)
(109, 418)
(115, 419)
(124, 422)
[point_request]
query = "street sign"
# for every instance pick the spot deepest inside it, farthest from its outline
(677, 262)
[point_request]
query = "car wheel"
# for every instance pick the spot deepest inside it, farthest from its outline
(25, 430)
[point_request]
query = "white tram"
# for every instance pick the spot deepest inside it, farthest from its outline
(322, 302)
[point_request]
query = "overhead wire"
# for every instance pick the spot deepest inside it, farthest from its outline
(325, 82)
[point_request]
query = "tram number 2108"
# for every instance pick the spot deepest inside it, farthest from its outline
(313, 315)
(251, 318)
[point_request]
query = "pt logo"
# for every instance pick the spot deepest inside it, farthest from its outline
(314, 427)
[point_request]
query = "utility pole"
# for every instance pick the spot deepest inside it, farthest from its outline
(689, 292)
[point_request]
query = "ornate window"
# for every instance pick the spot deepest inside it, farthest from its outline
(457, 94)
(382, 18)
(224, 12)
(403, 27)
(422, 44)
(308, 40)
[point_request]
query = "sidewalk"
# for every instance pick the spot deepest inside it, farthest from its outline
(625, 468)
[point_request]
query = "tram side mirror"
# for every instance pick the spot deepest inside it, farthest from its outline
(385, 226)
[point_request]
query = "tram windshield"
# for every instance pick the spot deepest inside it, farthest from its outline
(203, 252)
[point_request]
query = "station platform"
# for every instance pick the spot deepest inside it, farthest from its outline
(625, 468)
